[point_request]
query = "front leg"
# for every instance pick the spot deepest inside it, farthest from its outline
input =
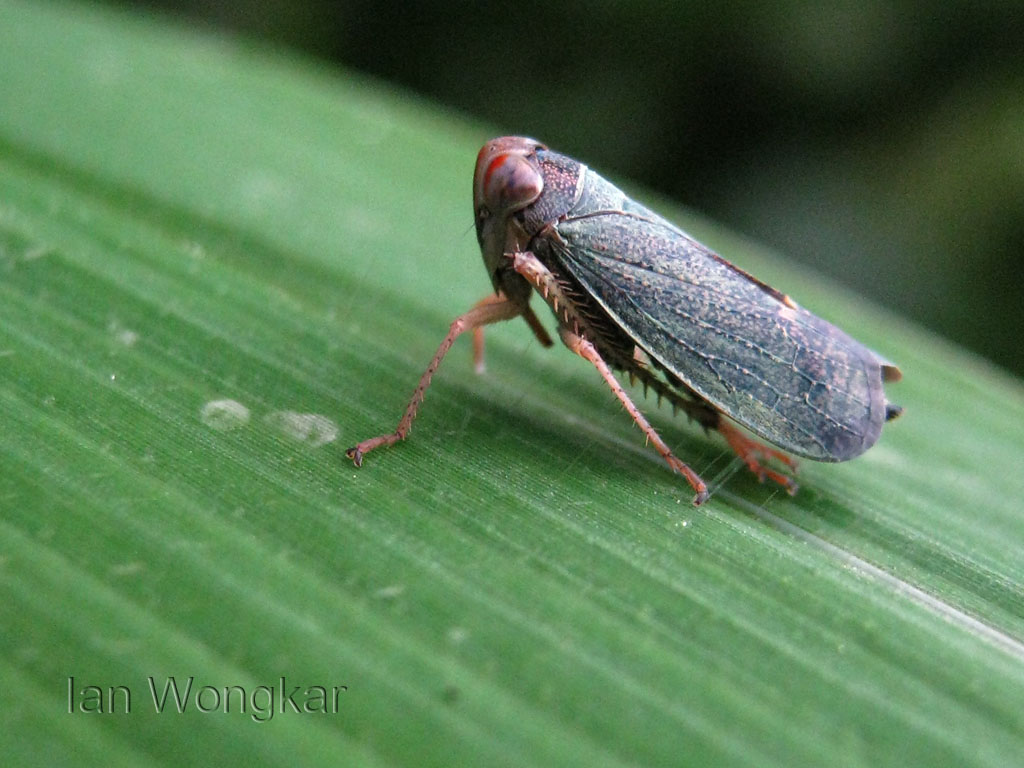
(478, 332)
(483, 313)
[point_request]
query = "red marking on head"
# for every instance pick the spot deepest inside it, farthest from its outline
(496, 163)
(505, 179)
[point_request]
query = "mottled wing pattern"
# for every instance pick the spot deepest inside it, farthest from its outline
(782, 372)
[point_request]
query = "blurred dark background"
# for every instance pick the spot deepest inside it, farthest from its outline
(880, 142)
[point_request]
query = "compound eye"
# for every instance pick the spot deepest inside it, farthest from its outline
(510, 183)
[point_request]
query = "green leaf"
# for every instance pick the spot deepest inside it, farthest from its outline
(222, 266)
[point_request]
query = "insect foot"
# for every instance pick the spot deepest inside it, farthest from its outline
(750, 451)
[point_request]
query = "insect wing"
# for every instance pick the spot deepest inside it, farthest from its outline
(775, 368)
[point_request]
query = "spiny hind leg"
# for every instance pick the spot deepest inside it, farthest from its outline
(570, 323)
(709, 417)
(753, 452)
(588, 352)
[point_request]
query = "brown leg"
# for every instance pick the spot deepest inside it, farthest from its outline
(750, 451)
(478, 333)
(484, 313)
(586, 350)
(530, 267)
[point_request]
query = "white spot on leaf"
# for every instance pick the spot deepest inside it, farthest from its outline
(310, 428)
(122, 335)
(224, 415)
(457, 635)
